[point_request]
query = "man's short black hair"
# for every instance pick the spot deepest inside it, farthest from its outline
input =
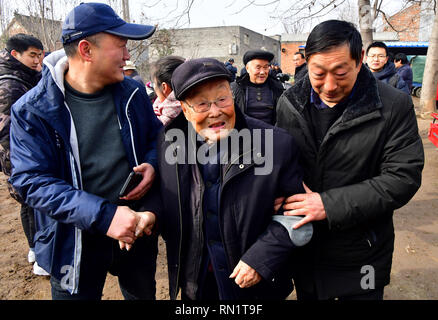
(21, 42)
(300, 53)
(334, 33)
(378, 44)
(401, 57)
(71, 48)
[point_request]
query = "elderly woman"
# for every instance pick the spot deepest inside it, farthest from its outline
(214, 198)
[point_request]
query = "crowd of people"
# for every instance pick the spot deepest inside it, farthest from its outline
(256, 189)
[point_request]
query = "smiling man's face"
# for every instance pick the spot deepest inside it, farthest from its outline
(258, 70)
(217, 122)
(333, 74)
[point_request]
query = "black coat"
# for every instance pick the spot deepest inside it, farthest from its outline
(15, 80)
(239, 91)
(368, 165)
(245, 210)
(300, 72)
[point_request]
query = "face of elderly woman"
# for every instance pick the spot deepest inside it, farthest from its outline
(209, 107)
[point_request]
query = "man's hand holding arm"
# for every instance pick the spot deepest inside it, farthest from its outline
(307, 204)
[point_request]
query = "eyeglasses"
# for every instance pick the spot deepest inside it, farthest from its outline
(204, 106)
(379, 57)
(264, 68)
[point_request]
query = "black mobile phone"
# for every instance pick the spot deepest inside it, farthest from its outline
(131, 182)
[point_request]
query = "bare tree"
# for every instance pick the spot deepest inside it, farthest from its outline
(366, 21)
(3, 16)
(125, 10)
(430, 78)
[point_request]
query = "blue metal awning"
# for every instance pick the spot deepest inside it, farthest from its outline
(407, 44)
(398, 44)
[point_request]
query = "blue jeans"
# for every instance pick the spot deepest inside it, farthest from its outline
(135, 269)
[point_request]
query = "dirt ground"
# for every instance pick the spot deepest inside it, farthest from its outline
(414, 270)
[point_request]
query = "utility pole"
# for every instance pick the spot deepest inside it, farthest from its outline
(125, 9)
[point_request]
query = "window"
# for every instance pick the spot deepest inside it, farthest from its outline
(246, 38)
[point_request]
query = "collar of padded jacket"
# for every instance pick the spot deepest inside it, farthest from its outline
(364, 100)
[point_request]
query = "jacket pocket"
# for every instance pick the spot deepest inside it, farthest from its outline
(45, 228)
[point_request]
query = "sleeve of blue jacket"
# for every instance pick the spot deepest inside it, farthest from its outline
(402, 85)
(40, 174)
(153, 126)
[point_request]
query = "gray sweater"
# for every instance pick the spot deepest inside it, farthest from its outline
(104, 165)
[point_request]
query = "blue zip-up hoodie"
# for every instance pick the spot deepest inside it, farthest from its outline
(405, 72)
(46, 168)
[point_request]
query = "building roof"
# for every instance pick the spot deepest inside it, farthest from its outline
(34, 26)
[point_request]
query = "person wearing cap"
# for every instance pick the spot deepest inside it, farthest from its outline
(256, 92)
(213, 199)
(75, 138)
(362, 158)
(130, 71)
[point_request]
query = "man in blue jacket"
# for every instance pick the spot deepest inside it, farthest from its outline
(232, 69)
(403, 68)
(383, 69)
(75, 138)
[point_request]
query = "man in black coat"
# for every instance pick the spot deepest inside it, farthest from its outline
(20, 65)
(256, 92)
(362, 158)
(214, 197)
(300, 66)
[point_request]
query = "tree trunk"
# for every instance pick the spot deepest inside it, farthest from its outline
(430, 77)
(43, 25)
(125, 9)
(365, 22)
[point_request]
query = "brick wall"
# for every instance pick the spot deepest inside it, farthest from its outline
(287, 53)
(407, 22)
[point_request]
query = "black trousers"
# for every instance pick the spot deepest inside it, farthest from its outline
(28, 223)
(135, 269)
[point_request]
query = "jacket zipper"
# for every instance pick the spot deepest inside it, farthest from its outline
(180, 231)
(77, 183)
(219, 209)
(200, 226)
(130, 126)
